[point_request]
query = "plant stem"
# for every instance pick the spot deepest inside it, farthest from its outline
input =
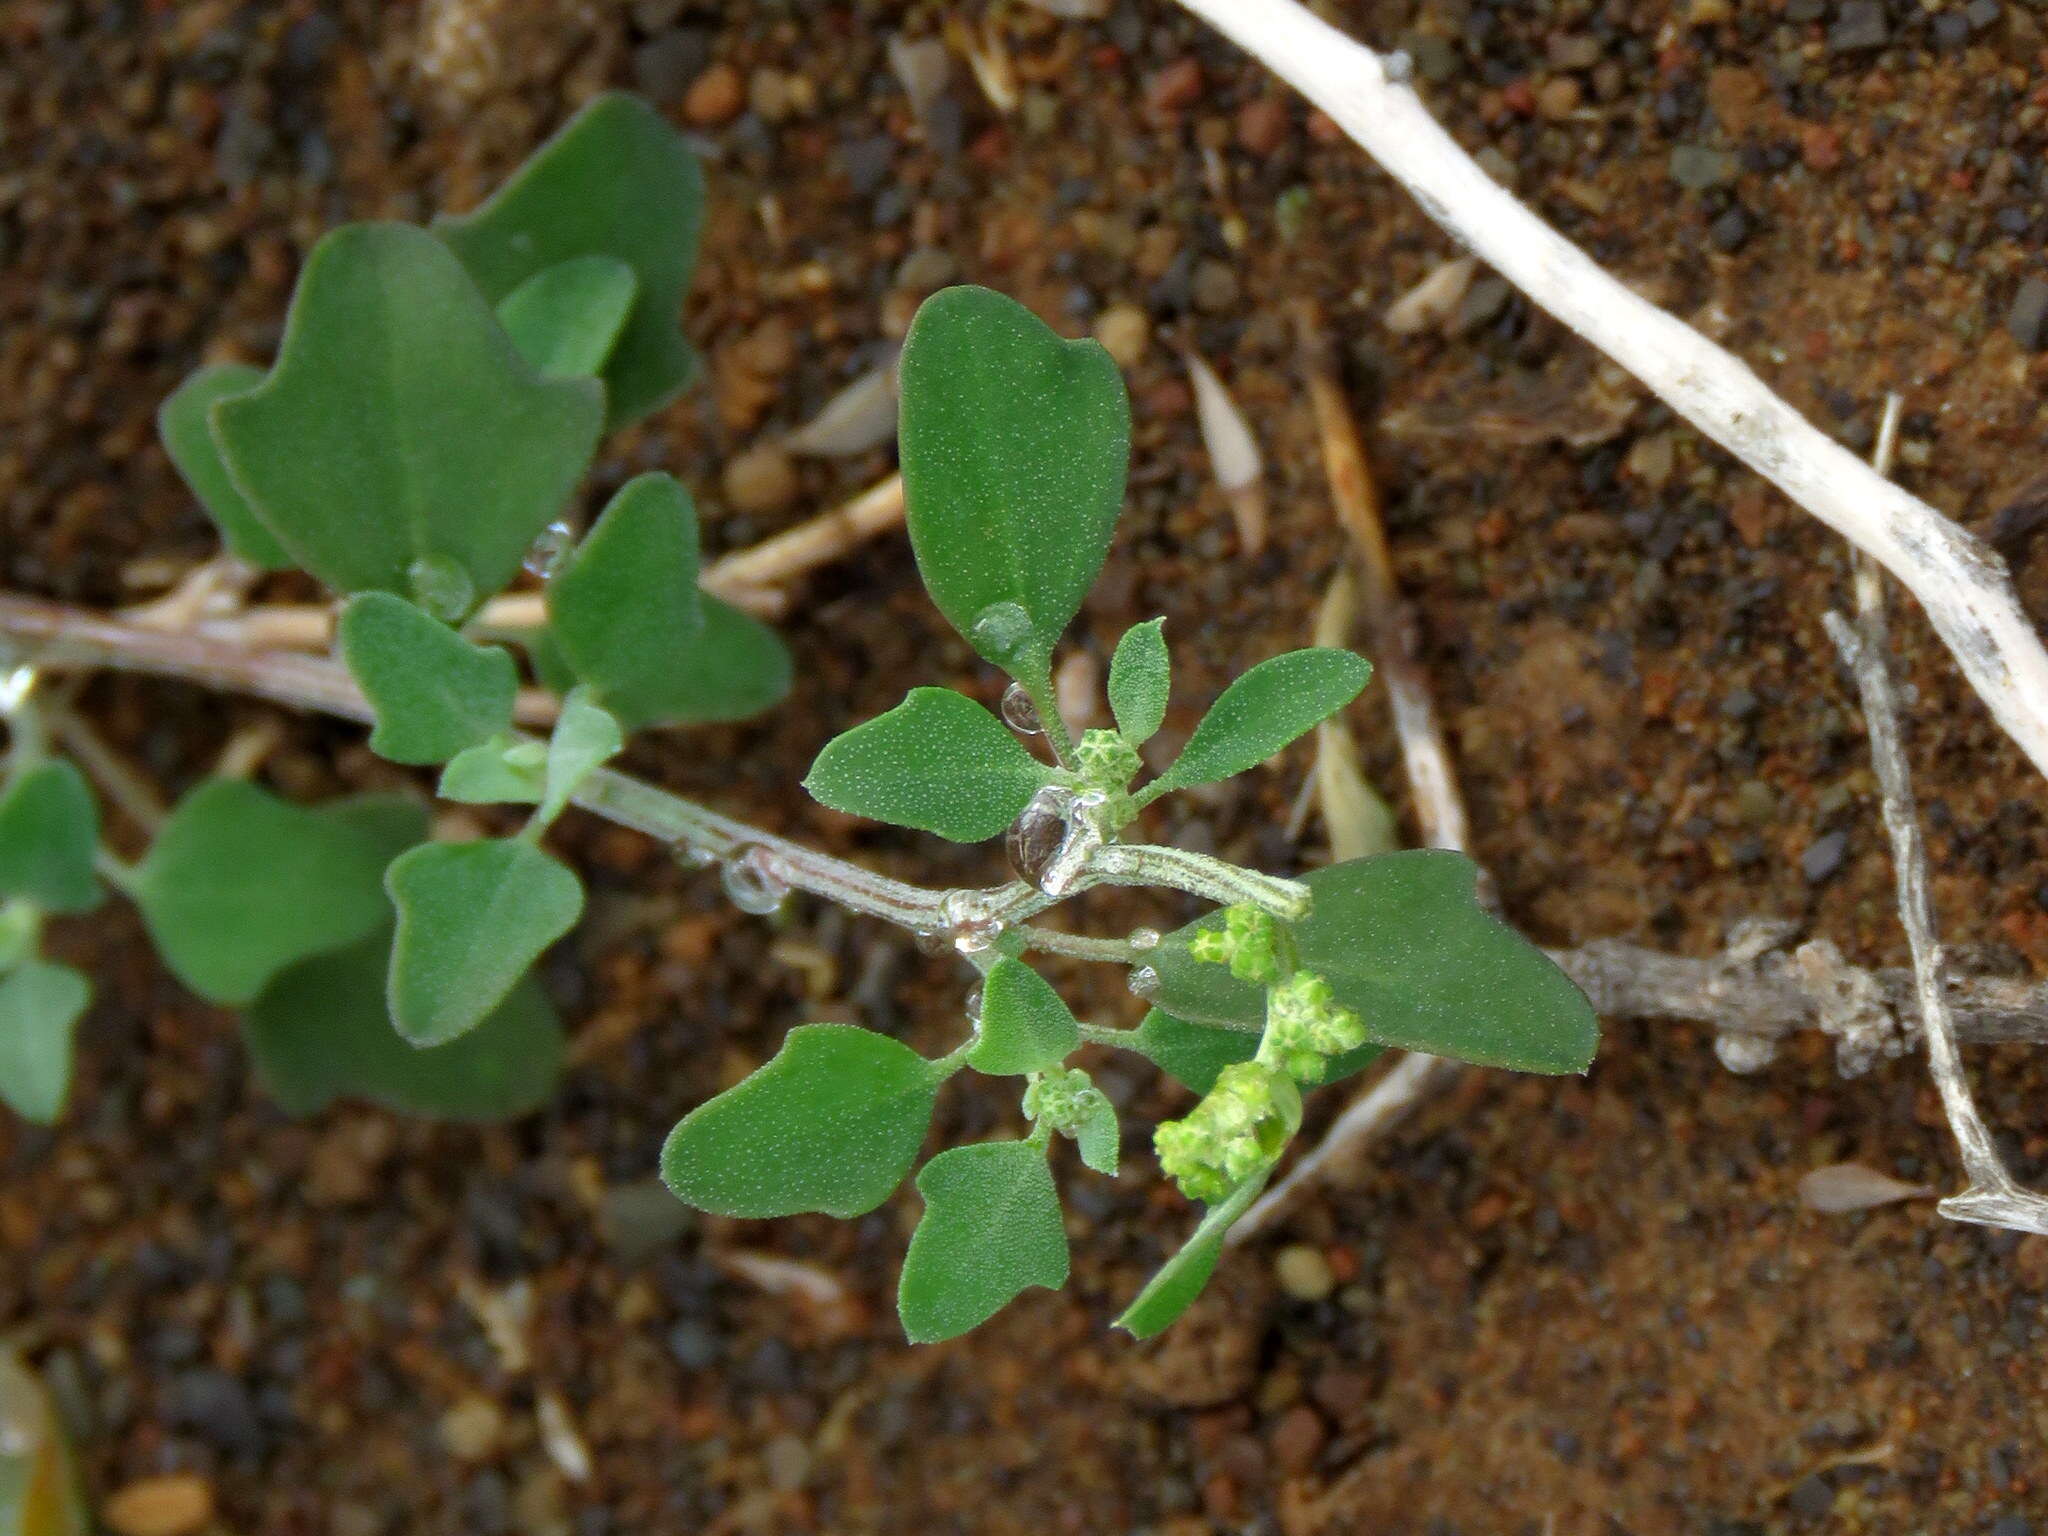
(1200, 875)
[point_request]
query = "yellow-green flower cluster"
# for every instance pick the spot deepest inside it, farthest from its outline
(1239, 1128)
(1062, 1097)
(1305, 1027)
(1248, 942)
(1106, 760)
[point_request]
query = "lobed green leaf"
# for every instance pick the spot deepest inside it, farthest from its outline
(49, 835)
(502, 771)
(1140, 681)
(184, 424)
(991, 1229)
(584, 739)
(319, 1032)
(1014, 446)
(938, 762)
(240, 884)
(1403, 940)
(566, 319)
(1264, 710)
(831, 1124)
(616, 180)
(1025, 1027)
(401, 432)
(40, 1005)
(434, 692)
(471, 918)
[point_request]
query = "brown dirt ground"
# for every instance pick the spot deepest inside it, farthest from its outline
(1590, 1306)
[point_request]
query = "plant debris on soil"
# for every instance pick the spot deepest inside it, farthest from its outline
(1592, 1305)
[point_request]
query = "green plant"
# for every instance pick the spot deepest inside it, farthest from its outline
(436, 399)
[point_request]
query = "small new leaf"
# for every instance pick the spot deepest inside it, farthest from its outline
(566, 319)
(240, 884)
(831, 1124)
(183, 422)
(938, 762)
(320, 1032)
(49, 833)
(401, 428)
(1025, 1027)
(584, 739)
(1264, 710)
(991, 1229)
(1173, 1289)
(502, 771)
(1098, 1138)
(471, 918)
(434, 692)
(616, 180)
(1014, 446)
(40, 1004)
(1140, 680)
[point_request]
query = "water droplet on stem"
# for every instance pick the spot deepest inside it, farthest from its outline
(754, 881)
(1020, 713)
(1034, 839)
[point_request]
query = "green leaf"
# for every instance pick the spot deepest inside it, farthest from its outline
(471, 918)
(502, 771)
(585, 738)
(433, 691)
(616, 180)
(831, 1124)
(1193, 1054)
(1403, 940)
(738, 668)
(566, 319)
(240, 884)
(183, 423)
(938, 762)
(49, 833)
(991, 1229)
(40, 1004)
(402, 428)
(1140, 680)
(1025, 1027)
(1098, 1139)
(320, 1032)
(1014, 446)
(624, 610)
(1264, 710)
(1180, 1279)
(551, 668)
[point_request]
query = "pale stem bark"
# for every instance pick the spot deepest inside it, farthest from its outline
(1963, 586)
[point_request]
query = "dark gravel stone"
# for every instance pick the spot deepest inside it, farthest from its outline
(1951, 31)
(1696, 167)
(2028, 319)
(1823, 856)
(1860, 26)
(2012, 1525)
(1805, 10)
(664, 66)
(866, 162)
(1813, 1499)
(217, 1407)
(694, 1345)
(1982, 13)
(1731, 231)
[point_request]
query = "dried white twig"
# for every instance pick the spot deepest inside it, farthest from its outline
(1963, 586)
(1994, 1198)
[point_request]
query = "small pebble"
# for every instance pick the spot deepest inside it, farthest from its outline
(1559, 97)
(769, 96)
(1215, 288)
(470, 1430)
(789, 1462)
(927, 268)
(715, 97)
(1812, 1498)
(1823, 856)
(160, 1506)
(1262, 125)
(1696, 167)
(665, 66)
(1859, 26)
(1304, 1273)
(1125, 332)
(1731, 231)
(2028, 319)
(1298, 1439)
(761, 480)
(1174, 89)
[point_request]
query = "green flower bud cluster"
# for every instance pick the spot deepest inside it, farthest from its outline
(1305, 1027)
(1239, 1128)
(1063, 1098)
(1248, 942)
(1105, 760)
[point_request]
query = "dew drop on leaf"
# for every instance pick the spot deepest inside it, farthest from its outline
(753, 880)
(1020, 713)
(550, 550)
(969, 921)
(1035, 837)
(1144, 982)
(1142, 939)
(1001, 631)
(442, 587)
